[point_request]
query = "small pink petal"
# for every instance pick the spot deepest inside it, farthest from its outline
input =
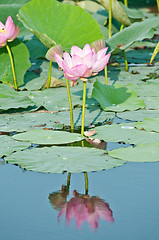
(88, 73)
(59, 60)
(8, 22)
(70, 77)
(77, 71)
(15, 34)
(76, 60)
(76, 51)
(101, 63)
(73, 83)
(67, 59)
(89, 59)
(10, 31)
(101, 53)
(86, 50)
(89, 133)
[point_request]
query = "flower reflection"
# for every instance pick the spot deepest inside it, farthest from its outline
(82, 207)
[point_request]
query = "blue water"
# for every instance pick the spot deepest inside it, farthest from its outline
(132, 192)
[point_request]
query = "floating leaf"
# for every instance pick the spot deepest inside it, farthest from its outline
(116, 97)
(48, 137)
(149, 124)
(22, 122)
(140, 153)
(139, 115)
(64, 159)
(126, 133)
(65, 24)
(9, 145)
(147, 89)
(21, 63)
(9, 98)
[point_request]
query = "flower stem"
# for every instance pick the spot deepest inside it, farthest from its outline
(86, 182)
(126, 62)
(83, 107)
(70, 104)
(110, 17)
(49, 76)
(158, 5)
(126, 3)
(122, 26)
(12, 65)
(106, 75)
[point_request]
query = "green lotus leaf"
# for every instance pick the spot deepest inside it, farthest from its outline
(116, 97)
(138, 115)
(64, 159)
(55, 23)
(48, 137)
(9, 145)
(151, 102)
(136, 32)
(149, 124)
(21, 63)
(133, 14)
(28, 121)
(9, 98)
(118, 12)
(140, 153)
(147, 89)
(125, 132)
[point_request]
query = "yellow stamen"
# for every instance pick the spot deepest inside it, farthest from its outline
(2, 30)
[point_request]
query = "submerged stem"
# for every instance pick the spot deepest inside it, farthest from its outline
(70, 104)
(12, 65)
(68, 180)
(83, 107)
(49, 76)
(86, 182)
(126, 62)
(110, 17)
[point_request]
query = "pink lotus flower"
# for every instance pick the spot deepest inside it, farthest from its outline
(8, 32)
(82, 63)
(84, 208)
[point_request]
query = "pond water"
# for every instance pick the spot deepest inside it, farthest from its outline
(131, 191)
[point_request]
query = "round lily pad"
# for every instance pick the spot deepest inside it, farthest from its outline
(64, 159)
(149, 124)
(28, 121)
(140, 153)
(125, 133)
(48, 137)
(9, 145)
